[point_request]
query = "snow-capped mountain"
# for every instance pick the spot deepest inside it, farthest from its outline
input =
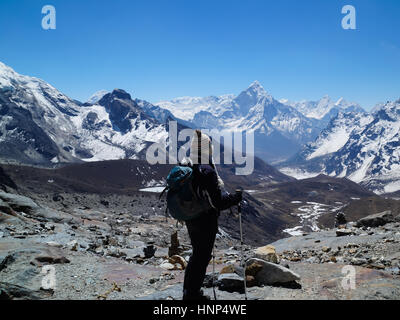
(186, 108)
(362, 147)
(279, 129)
(40, 125)
(324, 109)
(94, 98)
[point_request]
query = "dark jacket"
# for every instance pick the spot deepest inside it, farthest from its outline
(205, 183)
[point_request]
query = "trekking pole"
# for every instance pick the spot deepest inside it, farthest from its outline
(213, 274)
(241, 249)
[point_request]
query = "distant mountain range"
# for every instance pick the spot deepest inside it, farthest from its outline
(280, 127)
(363, 147)
(41, 126)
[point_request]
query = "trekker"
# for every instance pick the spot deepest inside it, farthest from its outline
(202, 230)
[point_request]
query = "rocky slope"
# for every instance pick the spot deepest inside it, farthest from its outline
(98, 255)
(274, 204)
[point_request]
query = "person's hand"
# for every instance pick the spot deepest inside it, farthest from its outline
(239, 195)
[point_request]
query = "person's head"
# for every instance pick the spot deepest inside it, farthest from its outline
(201, 149)
(201, 152)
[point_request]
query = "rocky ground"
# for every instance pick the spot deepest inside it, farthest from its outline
(94, 254)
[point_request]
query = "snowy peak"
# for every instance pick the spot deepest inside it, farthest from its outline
(325, 108)
(363, 147)
(122, 110)
(254, 95)
(256, 89)
(96, 97)
(116, 94)
(40, 125)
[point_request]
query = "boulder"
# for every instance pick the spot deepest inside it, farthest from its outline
(18, 203)
(10, 291)
(230, 282)
(131, 254)
(271, 273)
(167, 266)
(253, 268)
(54, 244)
(376, 220)
(24, 204)
(209, 279)
(227, 269)
(344, 232)
(49, 257)
(149, 251)
(178, 260)
(267, 253)
(251, 281)
(161, 252)
(6, 260)
(4, 207)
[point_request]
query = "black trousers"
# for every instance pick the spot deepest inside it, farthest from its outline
(202, 232)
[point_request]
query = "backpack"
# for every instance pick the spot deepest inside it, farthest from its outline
(182, 201)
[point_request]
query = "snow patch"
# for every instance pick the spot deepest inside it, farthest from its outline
(299, 174)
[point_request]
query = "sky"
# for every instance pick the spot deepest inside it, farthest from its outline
(159, 50)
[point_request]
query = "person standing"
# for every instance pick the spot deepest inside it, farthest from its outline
(202, 230)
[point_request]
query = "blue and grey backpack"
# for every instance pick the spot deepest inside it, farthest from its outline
(182, 201)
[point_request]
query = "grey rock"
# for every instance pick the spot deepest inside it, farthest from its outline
(26, 205)
(171, 293)
(131, 254)
(358, 261)
(4, 207)
(344, 232)
(134, 243)
(149, 251)
(161, 252)
(6, 260)
(50, 257)
(376, 220)
(18, 203)
(10, 291)
(209, 279)
(230, 282)
(272, 273)
(313, 260)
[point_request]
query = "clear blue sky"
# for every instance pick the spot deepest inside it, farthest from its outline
(163, 49)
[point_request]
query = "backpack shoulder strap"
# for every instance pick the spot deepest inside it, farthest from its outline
(162, 192)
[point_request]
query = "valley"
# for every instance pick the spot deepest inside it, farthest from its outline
(77, 193)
